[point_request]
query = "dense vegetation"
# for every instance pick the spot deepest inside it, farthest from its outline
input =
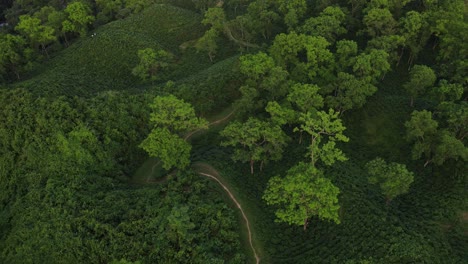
(340, 126)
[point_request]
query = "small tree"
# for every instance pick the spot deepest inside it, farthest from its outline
(171, 118)
(394, 179)
(15, 57)
(421, 78)
(151, 63)
(303, 193)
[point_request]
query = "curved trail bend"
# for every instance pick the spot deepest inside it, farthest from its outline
(216, 177)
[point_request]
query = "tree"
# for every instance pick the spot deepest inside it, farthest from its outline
(371, 66)
(347, 92)
(422, 130)
(262, 17)
(281, 114)
(329, 24)
(412, 27)
(207, 43)
(108, 9)
(137, 6)
(36, 33)
(304, 57)
(293, 11)
(305, 97)
(446, 91)
(320, 126)
(346, 50)
(171, 149)
(391, 44)
(379, 22)
(254, 140)
(151, 63)
(171, 118)
(302, 194)
(393, 178)
(263, 75)
(15, 57)
(79, 17)
(53, 18)
(421, 78)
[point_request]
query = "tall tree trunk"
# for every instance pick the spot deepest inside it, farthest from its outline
(251, 166)
(306, 222)
(45, 50)
(427, 163)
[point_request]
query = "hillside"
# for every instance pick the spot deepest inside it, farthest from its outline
(255, 132)
(104, 61)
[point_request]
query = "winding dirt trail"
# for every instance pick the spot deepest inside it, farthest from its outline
(216, 177)
(207, 170)
(186, 138)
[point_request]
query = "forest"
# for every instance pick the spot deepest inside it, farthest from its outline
(233, 131)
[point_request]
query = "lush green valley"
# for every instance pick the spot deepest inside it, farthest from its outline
(236, 131)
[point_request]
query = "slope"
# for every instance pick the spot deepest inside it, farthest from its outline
(104, 61)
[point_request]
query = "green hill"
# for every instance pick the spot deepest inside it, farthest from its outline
(104, 62)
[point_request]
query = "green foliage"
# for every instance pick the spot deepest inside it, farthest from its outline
(15, 57)
(302, 194)
(322, 125)
(254, 140)
(172, 150)
(293, 11)
(171, 118)
(305, 97)
(393, 178)
(175, 115)
(36, 33)
(371, 65)
(104, 62)
(439, 144)
(446, 91)
(349, 92)
(329, 24)
(79, 17)
(379, 22)
(422, 129)
(421, 79)
(151, 63)
(207, 43)
(304, 57)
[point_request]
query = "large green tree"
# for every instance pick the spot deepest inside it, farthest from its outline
(393, 178)
(324, 129)
(79, 17)
(255, 140)
(421, 79)
(328, 24)
(35, 32)
(172, 118)
(302, 194)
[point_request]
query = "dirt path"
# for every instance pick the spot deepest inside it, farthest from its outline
(215, 176)
(210, 124)
(208, 171)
